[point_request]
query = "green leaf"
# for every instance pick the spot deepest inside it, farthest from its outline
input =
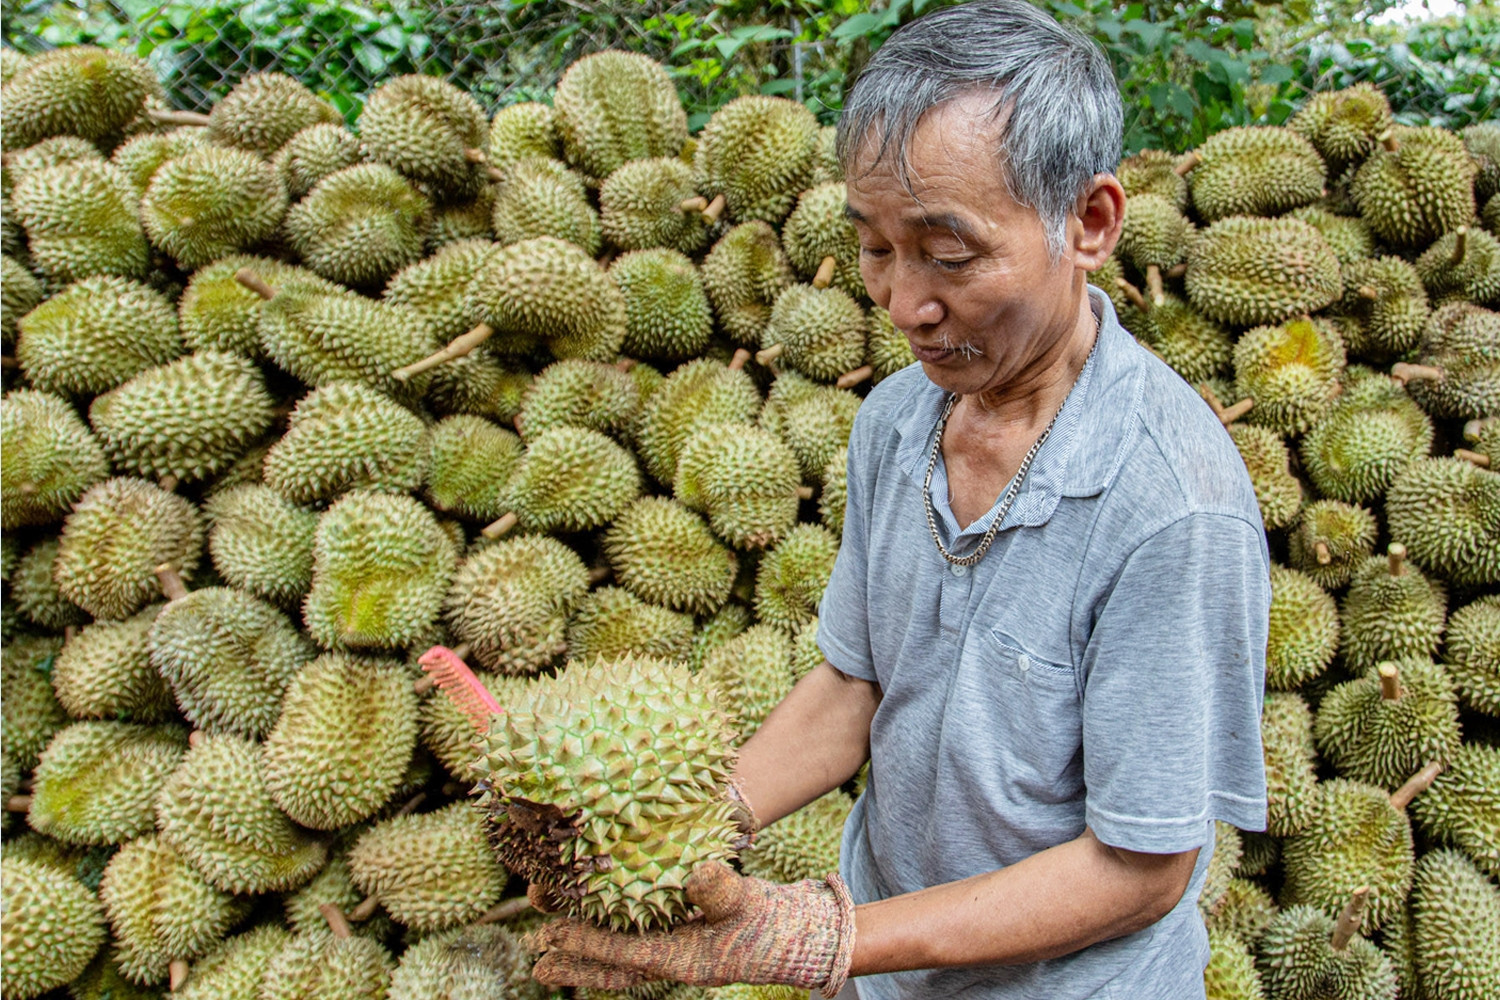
(1150, 34)
(1277, 74)
(856, 26)
(778, 86)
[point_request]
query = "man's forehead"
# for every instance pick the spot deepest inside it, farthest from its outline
(919, 216)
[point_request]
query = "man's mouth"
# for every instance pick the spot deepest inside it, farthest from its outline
(932, 354)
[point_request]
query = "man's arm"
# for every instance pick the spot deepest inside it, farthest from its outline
(811, 743)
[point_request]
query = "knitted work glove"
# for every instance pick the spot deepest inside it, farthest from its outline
(749, 931)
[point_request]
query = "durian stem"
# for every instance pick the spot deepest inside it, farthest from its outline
(70, 632)
(1349, 921)
(337, 922)
(1188, 162)
(475, 155)
(824, 277)
(412, 804)
(1154, 285)
(163, 117)
(462, 650)
(1133, 294)
(1415, 785)
(1232, 413)
(169, 483)
(770, 354)
(501, 527)
(626, 364)
(598, 575)
(698, 204)
(1460, 246)
(460, 346)
(714, 210)
(1472, 457)
(505, 911)
(255, 283)
(1369, 292)
(171, 582)
(7, 361)
(196, 738)
(1404, 373)
(1322, 554)
(741, 356)
(18, 803)
(495, 174)
(1388, 141)
(1395, 557)
(805, 493)
(850, 379)
(365, 910)
(1176, 270)
(1390, 682)
(177, 974)
(423, 684)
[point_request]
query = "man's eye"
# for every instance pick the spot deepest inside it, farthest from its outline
(872, 252)
(952, 265)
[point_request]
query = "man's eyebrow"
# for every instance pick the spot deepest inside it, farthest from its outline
(852, 213)
(953, 224)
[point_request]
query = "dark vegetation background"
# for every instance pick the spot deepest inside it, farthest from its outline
(1186, 69)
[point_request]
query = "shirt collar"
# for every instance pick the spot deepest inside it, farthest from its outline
(1081, 456)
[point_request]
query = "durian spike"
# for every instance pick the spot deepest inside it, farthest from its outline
(169, 483)
(495, 174)
(599, 574)
(364, 910)
(1133, 294)
(337, 922)
(1460, 246)
(255, 283)
(1404, 373)
(507, 910)
(18, 804)
(1188, 162)
(457, 348)
(1348, 923)
(1416, 785)
(475, 155)
(714, 210)
(805, 493)
(824, 277)
(1154, 285)
(171, 582)
(1324, 557)
(1472, 457)
(500, 527)
(424, 684)
(741, 357)
(1478, 426)
(462, 687)
(192, 118)
(1176, 270)
(177, 974)
(1395, 557)
(1388, 141)
(770, 354)
(850, 379)
(697, 204)
(1390, 682)
(1368, 292)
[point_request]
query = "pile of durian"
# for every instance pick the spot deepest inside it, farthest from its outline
(566, 394)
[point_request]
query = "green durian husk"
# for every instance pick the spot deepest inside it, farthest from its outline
(814, 420)
(527, 128)
(542, 197)
(1304, 630)
(1446, 511)
(97, 782)
(1277, 491)
(1297, 961)
(103, 980)
(1244, 910)
(743, 274)
(1246, 271)
(575, 393)
(759, 153)
(510, 601)
(744, 479)
(802, 845)
(1472, 654)
(1328, 539)
(1460, 339)
(264, 111)
(95, 334)
(346, 436)
(261, 542)
(1286, 727)
(449, 732)
(1196, 347)
(1293, 371)
(142, 155)
(1348, 235)
(1343, 125)
(81, 90)
(1462, 807)
(105, 672)
(1418, 191)
(424, 127)
(571, 479)
(1470, 270)
(360, 225)
(50, 458)
(315, 152)
(478, 962)
(1231, 972)
(666, 554)
(1387, 616)
(666, 306)
(1455, 928)
(640, 206)
(1383, 742)
(471, 462)
(217, 313)
(698, 393)
(20, 293)
(612, 107)
(822, 331)
(53, 927)
(30, 712)
(1256, 170)
(435, 285)
(818, 229)
(233, 970)
(752, 673)
(1153, 171)
(792, 576)
(211, 202)
(612, 622)
(1391, 321)
(317, 965)
(35, 594)
(546, 291)
(1364, 440)
(720, 627)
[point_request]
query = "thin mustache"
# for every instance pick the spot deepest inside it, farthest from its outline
(968, 349)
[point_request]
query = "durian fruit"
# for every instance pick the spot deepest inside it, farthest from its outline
(189, 418)
(316, 152)
(527, 128)
(240, 842)
(20, 293)
(261, 543)
(627, 760)
(346, 436)
(744, 274)
(1343, 125)
(665, 554)
(698, 393)
(1490, 215)
(666, 307)
(333, 885)
(804, 844)
(1305, 955)
(217, 313)
(1230, 973)
(1293, 372)
(431, 871)
(228, 658)
(1245, 910)
(1277, 491)
(751, 673)
(429, 130)
(1384, 726)
(1366, 438)
(612, 622)
(791, 577)
(381, 565)
(653, 203)
(116, 536)
(264, 111)
(478, 962)
(35, 594)
(820, 240)
(1155, 171)
(818, 332)
(1348, 235)
(715, 630)
(757, 152)
(96, 781)
(105, 672)
(612, 107)
(95, 334)
(542, 197)
(1329, 539)
(1221, 866)
(1418, 185)
(1386, 296)
(1391, 612)
(1446, 511)
(462, 220)
(471, 461)
(140, 157)
(1261, 853)
(1286, 727)
(29, 713)
(835, 494)
(1256, 170)
(343, 741)
(48, 461)
(1460, 343)
(81, 90)
(744, 479)
(1455, 928)
(103, 980)
(234, 969)
(211, 202)
(1357, 837)
(1154, 239)
(435, 286)
(1246, 271)
(360, 225)
(575, 393)
(1472, 654)
(1462, 808)
(569, 479)
(328, 963)
(887, 350)
(1482, 140)
(814, 420)
(1196, 347)
(510, 601)
(1465, 263)
(52, 927)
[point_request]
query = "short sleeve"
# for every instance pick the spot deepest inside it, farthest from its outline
(843, 613)
(1175, 666)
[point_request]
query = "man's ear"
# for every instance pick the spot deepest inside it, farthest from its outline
(1099, 216)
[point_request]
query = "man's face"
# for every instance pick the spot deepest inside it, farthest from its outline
(961, 267)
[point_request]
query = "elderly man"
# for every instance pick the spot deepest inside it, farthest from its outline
(1047, 623)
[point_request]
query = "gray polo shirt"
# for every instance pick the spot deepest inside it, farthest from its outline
(1102, 665)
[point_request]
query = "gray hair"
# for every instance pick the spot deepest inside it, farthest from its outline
(1054, 93)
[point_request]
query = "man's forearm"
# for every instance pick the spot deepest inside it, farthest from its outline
(811, 743)
(1053, 903)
